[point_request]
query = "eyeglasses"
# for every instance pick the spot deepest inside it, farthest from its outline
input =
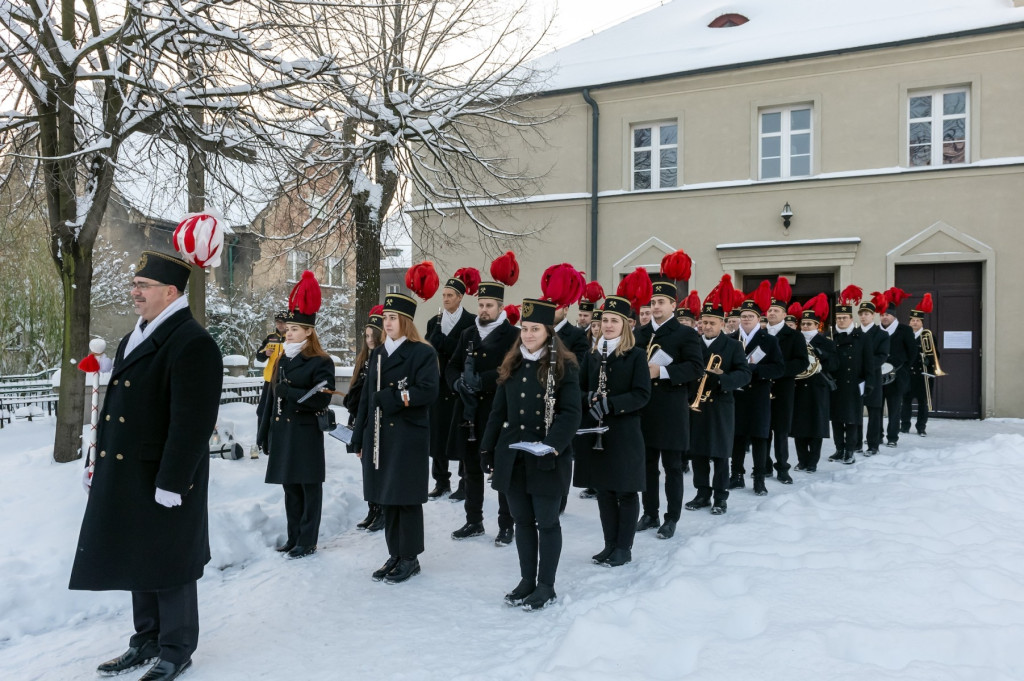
(144, 286)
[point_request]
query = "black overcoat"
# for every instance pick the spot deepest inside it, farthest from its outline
(404, 457)
(753, 401)
(713, 427)
(794, 356)
(666, 418)
(154, 431)
(575, 340)
(811, 396)
(620, 466)
(441, 412)
(878, 342)
(853, 367)
(289, 433)
(518, 416)
(920, 365)
(902, 348)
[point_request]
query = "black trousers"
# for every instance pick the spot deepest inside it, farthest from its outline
(171, 618)
(893, 405)
(759, 450)
(403, 530)
(619, 513)
(672, 460)
(703, 481)
(439, 471)
(474, 505)
(302, 507)
(916, 392)
(538, 532)
(808, 450)
(844, 435)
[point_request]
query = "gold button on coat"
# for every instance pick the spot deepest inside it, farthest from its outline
(121, 419)
(103, 453)
(127, 384)
(119, 457)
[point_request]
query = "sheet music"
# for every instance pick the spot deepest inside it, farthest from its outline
(661, 358)
(343, 433)
(535, 448)
(756, 356)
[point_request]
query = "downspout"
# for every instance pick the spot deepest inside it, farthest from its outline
(594, 120)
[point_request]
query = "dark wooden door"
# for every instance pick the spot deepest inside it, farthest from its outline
(956, 326)
(806, 286)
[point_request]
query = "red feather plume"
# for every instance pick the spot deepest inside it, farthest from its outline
(89, 364)
(692, 303)
(376, 310)
(512, 313)
(726, 293)
(737, 299)
(470, 276)
(851, 295)
(637, 288)
(562, 284)
(593, 293)
(782, 291)
(896, 296)
(677, 266)
(422, 279)
(505, 269)
(795, 310)
(819, 304)
(762, 297)
(926, 304)
(305, 295)
(880, 301)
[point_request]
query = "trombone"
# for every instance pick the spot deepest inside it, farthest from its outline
(928, 348)
(714, 366)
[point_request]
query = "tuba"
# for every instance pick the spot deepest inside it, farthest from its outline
(813, 365)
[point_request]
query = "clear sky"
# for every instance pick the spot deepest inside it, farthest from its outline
(576, 19)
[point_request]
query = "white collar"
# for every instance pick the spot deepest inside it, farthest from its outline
(450, 319)
(293, 349)
(809, 335)
(709, 341)
(655, 325)
(774, 330)
(848, 329)
(391, 345)
(891, 329)
(866, 328)
(485, 329)
(613, 343)
(745, 338)
(532, 356)
(559, 325)
(917, 334)
(140, 334)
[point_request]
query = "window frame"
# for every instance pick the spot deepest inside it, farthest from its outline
(332, 262)
(936, 121)
(655, 151)
(785, 141)
(392, 288)
(292, 260)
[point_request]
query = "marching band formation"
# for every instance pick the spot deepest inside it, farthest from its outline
(643, 384)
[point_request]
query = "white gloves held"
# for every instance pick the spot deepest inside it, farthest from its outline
(168, 499)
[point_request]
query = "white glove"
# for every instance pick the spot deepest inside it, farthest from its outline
(168, 499)
(87, 478)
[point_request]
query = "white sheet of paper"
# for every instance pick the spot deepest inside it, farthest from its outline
(861, 386)
(756, 356)
(535, 448)
(343, 433)
(661, 358)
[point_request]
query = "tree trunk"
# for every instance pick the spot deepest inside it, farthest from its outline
(197, 203)
(367, 263)
(76, 281)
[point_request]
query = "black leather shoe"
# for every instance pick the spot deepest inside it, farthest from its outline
(905, 431)
(517, 595)
(504, 537)
(784, 477)
(667, 529)
(588, 493)
(647, 522)
(459, 494)
(891, 443)
(697, 503)
(302, 551)
(371, 515)
(922, 433)
(848, 458)
(837, 455)
(389, 565)
(602, 556)
(378, 521)
(542, 596)
(468, 530)
(759, 488)
(719, 508)
(165, 671)
(286, 547)
(406, 568)
(871, 452)
(135, 656)
(440, 489)
(736, 481)
(618, 558)
(799, 467)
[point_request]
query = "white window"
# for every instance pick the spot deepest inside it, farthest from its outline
(335, 271)
(655, 156)
(937, 127)
(785, 142)
(297, 262)
(393, 288)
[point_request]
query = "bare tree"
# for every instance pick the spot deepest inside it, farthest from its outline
(78, 84)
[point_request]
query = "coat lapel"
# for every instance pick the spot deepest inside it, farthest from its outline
(397, 357)
(151, 344)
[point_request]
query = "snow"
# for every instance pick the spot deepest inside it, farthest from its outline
(904, 566)
(675, 37)
(236, 361)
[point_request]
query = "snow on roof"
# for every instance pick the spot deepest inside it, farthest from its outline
(676, 38)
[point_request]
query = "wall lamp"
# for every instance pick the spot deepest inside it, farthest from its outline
(786, 215)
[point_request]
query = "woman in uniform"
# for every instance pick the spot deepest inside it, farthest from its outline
(811, 394)
(372, 332)
(527, 410)
(289, 431)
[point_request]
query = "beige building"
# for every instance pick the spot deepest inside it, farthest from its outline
(895, 142)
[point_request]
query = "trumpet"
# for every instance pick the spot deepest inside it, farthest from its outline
(651, 349)
(928, 348)
(714, 366)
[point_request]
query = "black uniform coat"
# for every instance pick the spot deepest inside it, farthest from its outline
(878, 342)
(575, 340)
(441, 412)
(666, 419)
(811, 417)
(918, 368)
(620, 466)
(154, 431)
(854, 366)
(713, 427)
(794, 356)
(487, 357)
(902, 348)
(753, 401)
(518, 416)
(404, 458)
(289, 432)
(352, 397)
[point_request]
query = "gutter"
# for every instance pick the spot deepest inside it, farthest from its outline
(595, 118)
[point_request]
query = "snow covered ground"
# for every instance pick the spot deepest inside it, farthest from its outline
(908, 565)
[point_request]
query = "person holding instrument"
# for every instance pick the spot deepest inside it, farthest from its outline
(536, 405)
(290, 431)
(615, 385)
(372, 339)
(392, 428)
(924, 367)
(813, 385)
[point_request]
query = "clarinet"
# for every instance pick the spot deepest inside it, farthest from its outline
(602, 391)
(549, 392)
(376, 422)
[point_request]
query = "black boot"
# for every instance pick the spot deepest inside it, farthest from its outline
(784, 477)
(468, 530)
(618, 558)
(460, 492)
(378, 520)
(440, 489)
(165, 671)
(135, 656)
(719, 507)
(698, 502)
(837, 456)
(736, 481)
(759, 488)
(286, 547)
(847, 458)
(871, 452)
(543, 595)
(667, 529)
(517, 595)
(647, 522)
(406, 568)
(301, 551)
(505, 537)
(382, 572)
(588, 493)
(602, 556)
(371, 515)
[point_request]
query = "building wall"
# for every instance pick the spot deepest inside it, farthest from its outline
(871, 210)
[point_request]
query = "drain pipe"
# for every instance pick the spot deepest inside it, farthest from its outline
(595, 119)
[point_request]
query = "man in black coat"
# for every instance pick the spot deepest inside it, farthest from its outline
(444, 332)
(674, 362)
(472, 372)
(873, 399)
(794, 357)
(753, 402)
(922, 380)
(854, 365)
(902, 348)
(145, 526)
